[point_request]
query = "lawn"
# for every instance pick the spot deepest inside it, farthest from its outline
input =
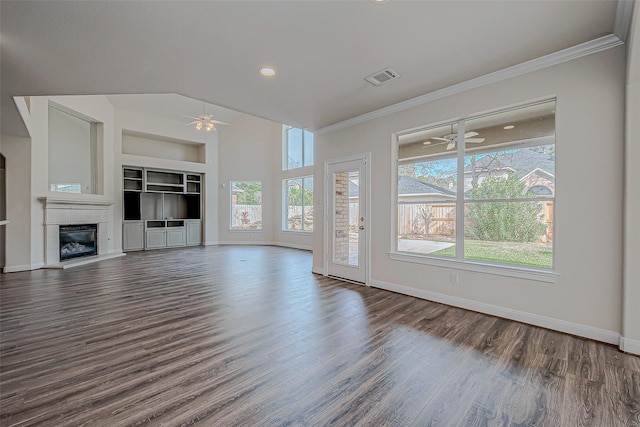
(528, 254)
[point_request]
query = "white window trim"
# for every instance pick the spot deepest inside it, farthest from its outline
(242, 230)
(285, 205)
(459, 262)
(285, 150)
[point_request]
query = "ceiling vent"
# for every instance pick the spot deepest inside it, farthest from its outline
(382, 76)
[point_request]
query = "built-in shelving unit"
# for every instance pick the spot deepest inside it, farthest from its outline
(161, 208)
(132, 179)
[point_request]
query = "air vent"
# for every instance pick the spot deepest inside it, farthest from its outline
(383, 76)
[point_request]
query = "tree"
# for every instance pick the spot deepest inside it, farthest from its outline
(251, 193)
(294, 196)
(504, 221)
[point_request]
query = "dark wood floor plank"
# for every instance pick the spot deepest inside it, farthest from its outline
(247, 336)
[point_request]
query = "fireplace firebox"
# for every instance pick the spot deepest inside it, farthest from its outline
(78, 241)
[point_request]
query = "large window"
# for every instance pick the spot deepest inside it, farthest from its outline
(297, 147)
(299, 204)
(73, 152)
(246, 205)
(481, 189)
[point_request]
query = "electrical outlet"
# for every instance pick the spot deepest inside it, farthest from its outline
(454, 278)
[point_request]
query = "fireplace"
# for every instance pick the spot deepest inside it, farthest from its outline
(78, 241)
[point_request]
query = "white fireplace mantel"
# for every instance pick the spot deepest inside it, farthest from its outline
(61, 211)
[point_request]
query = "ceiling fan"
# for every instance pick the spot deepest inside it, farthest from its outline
(205, 121)
(452, 138)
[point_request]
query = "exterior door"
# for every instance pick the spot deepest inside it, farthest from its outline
(347, 220)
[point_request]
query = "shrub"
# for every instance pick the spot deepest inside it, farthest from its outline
(504, 221)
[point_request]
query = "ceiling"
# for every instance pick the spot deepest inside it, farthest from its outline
(322, 50)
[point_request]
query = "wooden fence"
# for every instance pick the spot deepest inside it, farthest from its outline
(425, 219)
(440, 219)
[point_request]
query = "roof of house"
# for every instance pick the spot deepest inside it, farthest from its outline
(522, 161)
(409, 185)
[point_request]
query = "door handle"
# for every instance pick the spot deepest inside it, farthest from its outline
(361, 227)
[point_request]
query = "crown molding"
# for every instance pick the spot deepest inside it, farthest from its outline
(574, 52)
(622, 23)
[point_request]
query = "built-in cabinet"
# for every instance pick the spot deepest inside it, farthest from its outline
(161, 209)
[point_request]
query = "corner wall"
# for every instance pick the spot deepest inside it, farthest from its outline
(587, 297)
(631, 319)
(17, 151)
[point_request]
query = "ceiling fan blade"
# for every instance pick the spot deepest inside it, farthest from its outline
(218, 122)
(474, 140)
(440, 139)
(470, 134)
(192, 123)
(191, 117)
(451, 145)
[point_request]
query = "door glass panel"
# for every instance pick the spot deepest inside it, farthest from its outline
(346, 220)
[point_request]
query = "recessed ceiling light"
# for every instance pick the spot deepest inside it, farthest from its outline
(508, 127)
(267, 71)
(427, 142)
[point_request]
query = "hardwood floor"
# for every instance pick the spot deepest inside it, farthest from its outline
(247, 336)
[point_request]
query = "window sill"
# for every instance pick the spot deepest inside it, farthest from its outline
(479, 267)
(305, 233)
(245, 230)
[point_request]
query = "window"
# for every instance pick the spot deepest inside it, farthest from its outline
(297, 148)
(246, 205)
(488, 200)
(299, 207)
(73, 152)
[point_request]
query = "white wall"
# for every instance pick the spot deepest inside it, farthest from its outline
(249, 153)
(589, 123)
(631, 320)
(17, 152)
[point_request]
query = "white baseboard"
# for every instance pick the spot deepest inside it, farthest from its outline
(317, 270)
(630, 346)
(293, 246)
(610, 337)
(26, 267)
(214, 243)
(245, 243)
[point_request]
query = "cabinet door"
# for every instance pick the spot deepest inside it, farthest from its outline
(156, 239)
(132, 236)
(194, 233)
(175, 237)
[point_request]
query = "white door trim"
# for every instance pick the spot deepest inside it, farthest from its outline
(367, 167)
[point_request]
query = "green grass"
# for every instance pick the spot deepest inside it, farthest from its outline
(527, 254)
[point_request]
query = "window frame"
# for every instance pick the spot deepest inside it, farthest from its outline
(459, 262)
(231, 205)
(285, 148)
(285, 203)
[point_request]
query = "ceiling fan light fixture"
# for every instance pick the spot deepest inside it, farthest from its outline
(199, 125)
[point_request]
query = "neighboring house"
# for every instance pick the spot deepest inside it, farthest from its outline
(535, 167)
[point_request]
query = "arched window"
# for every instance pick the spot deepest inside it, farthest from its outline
(540, 190)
